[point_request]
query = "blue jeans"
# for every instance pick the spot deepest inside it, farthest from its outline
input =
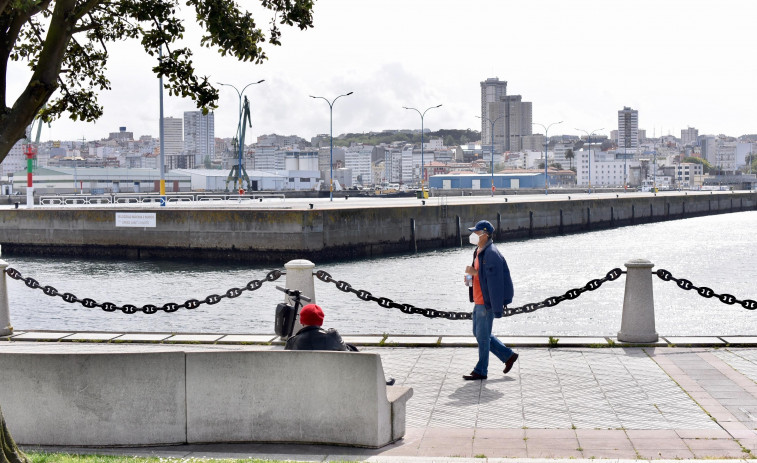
(483, 320)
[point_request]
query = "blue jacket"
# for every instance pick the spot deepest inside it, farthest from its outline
(494, 278)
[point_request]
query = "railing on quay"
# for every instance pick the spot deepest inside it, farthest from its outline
(637, 325)
(154, 198)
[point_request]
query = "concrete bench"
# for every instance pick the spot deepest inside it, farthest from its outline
(147, 398)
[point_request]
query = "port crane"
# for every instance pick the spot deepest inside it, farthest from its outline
(238, 173)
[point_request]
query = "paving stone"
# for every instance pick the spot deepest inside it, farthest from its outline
(363, 340)
(659, 343)
(92, 336)
(411, 340)
(191, 338)
(740, 340)
(143, 337)
(525, 341)
(246, 338)
(450, 341)
(567, 341)
(695, 341)
(41, 336)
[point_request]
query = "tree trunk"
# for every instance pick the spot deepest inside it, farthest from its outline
(9, 452)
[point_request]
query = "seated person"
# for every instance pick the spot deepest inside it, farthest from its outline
(313, 337)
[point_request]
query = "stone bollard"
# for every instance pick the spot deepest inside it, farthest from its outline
(637, 325)
(5, 319)
(300, 277)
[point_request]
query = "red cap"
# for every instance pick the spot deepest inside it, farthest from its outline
(312, 315)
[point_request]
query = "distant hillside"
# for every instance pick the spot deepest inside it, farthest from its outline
(451, 137)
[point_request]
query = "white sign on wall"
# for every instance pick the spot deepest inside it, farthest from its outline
(135, 219)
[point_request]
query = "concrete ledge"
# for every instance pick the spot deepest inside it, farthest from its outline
(94, 399)
(292, 396)
(93, 395)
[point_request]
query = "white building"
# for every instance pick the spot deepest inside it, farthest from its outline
(299, 180)
(726, 156)
(358, 159)
(434, 144)
(174, 136)
(409, 171)
(605, 168)
(15, 160)
(269, 159)
(199, 136)
(686, 172)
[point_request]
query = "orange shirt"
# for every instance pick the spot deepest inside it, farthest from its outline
(478, 296)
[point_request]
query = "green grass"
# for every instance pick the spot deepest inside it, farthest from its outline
(44, 457)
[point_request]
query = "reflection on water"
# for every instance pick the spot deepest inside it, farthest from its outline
(715, 251)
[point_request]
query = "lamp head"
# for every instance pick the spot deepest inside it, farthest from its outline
(347, 94)
(260, 81)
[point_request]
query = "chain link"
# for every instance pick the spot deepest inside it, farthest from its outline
(387, 303)
(704, 291)
(253, 285)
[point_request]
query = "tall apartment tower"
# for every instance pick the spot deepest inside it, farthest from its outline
(517, 122)
(174, 138)
(493, 92)
(689, 136)
(628, 129)
(199, 136)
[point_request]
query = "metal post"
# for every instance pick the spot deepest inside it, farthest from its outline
(637, 324)
(331, 137)
(5, 320)
(300, 277)
(423, 115)
(492, 148)
(331, 152)
(162, 139)
(546, 146)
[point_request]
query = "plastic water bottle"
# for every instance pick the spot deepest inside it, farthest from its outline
(468, 280)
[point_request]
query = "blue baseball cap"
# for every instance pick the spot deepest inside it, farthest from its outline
(483, 225)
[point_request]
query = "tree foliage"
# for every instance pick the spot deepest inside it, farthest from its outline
(451, 137)
(66, 45)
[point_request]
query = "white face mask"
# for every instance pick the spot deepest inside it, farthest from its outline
(473, 239)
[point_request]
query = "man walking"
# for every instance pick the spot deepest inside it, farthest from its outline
(491, 290)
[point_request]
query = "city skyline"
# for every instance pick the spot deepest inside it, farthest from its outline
(573, 61)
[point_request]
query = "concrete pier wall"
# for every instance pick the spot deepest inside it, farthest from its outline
(275, 236)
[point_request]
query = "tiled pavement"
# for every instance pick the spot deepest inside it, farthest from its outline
(605, 403)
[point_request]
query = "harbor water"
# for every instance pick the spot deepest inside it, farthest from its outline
(715, 251)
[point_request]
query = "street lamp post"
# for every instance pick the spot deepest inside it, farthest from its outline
(422, 114)
(546, 146)
(239, 129)
(654, 172)
(331, 136)
(492, 124)
(588, 136)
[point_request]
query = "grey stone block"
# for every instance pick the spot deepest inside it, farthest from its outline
(290, 396)
(94, 399)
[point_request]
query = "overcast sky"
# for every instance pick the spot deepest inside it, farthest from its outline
(679, 62)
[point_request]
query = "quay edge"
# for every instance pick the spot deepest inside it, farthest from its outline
(273, 236)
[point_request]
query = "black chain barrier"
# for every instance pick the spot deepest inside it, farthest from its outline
(253, 285)
(704, 291)
(385, 302)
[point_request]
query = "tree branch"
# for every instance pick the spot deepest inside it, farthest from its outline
(8, 41)
(3, 5)
(85, 8)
